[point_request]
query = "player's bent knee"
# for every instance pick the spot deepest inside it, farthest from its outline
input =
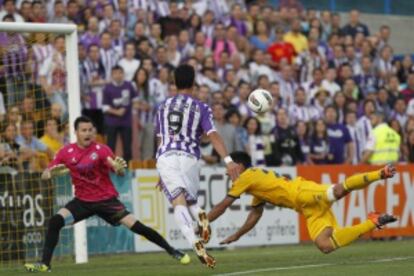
(129, 221)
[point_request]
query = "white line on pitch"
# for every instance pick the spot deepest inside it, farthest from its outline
(273, 269)
(307, 266)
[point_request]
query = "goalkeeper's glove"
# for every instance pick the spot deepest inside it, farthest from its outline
(118, 164)
(55, 171)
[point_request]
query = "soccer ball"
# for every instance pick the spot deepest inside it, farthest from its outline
(260, 100)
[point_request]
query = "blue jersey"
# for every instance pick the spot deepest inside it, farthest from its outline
(180, 122)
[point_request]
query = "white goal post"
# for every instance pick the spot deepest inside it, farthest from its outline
(74, 106)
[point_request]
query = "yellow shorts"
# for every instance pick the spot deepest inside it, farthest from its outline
(313, 203)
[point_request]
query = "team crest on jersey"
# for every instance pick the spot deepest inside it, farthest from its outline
(73, 160)
(94, 156)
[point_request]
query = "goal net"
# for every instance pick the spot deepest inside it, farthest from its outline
(39, 100)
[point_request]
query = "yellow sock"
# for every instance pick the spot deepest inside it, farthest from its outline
(361, 180)
(344, 236)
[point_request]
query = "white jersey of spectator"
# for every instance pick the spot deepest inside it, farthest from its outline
(17, 17)
(331, 87)
(220, 8)
(186, 51)
(243, 75)
(311, 88)
(118, 45)
(104, 24)
(400, 117)
(363, 131)
(356, 139)
(287, 90)
(146, 5)
(174, 59)
(257, 70)
(160, 7)
(199, 6)
(303, 113)
(92, 73)
(109, 58)
(319, 109)
(203, 80)
(242, 107)
(410, 108)
(222, 70)
(208, 30)
(307, 63)
(158, 91)
(356, 66)
(41, 54)
(130, 66)
(384, 66)
(256, 149)
(54, 70)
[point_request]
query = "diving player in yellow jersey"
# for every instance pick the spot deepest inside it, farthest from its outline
(311, 199)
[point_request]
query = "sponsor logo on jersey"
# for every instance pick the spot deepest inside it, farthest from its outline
(94, 156)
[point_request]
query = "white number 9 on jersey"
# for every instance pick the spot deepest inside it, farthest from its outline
(175, 122)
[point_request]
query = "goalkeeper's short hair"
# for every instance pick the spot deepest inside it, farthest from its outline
(82, 119)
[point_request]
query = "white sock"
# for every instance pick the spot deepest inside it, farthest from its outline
(195, 210)
(330, 194)
(185, 222)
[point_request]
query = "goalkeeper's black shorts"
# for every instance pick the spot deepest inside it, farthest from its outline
(111, 210)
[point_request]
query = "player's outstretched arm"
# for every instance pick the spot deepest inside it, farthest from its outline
(56, 170)
(220, 208)
(233, 169)
(252, 219)
(118, 165)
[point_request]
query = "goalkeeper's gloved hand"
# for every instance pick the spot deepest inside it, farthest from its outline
(55, 171)
(118, 164)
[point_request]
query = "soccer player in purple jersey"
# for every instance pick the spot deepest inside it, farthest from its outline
(89, 164)
(180, 122)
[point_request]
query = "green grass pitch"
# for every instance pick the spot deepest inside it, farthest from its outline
(363, 258)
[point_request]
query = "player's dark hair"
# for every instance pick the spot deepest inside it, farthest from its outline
(241, 157)
(184, 76)
(82, 119)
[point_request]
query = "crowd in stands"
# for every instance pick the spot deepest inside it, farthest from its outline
(327, 74)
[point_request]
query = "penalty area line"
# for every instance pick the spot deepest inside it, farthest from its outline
(246, 272)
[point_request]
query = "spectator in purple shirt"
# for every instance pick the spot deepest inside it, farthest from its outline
(73, 14)
(118, 98)
(340, 141)
(319, 144)
(236, 19)
(91, 36)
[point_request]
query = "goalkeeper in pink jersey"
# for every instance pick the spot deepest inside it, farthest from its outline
(89, 164)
